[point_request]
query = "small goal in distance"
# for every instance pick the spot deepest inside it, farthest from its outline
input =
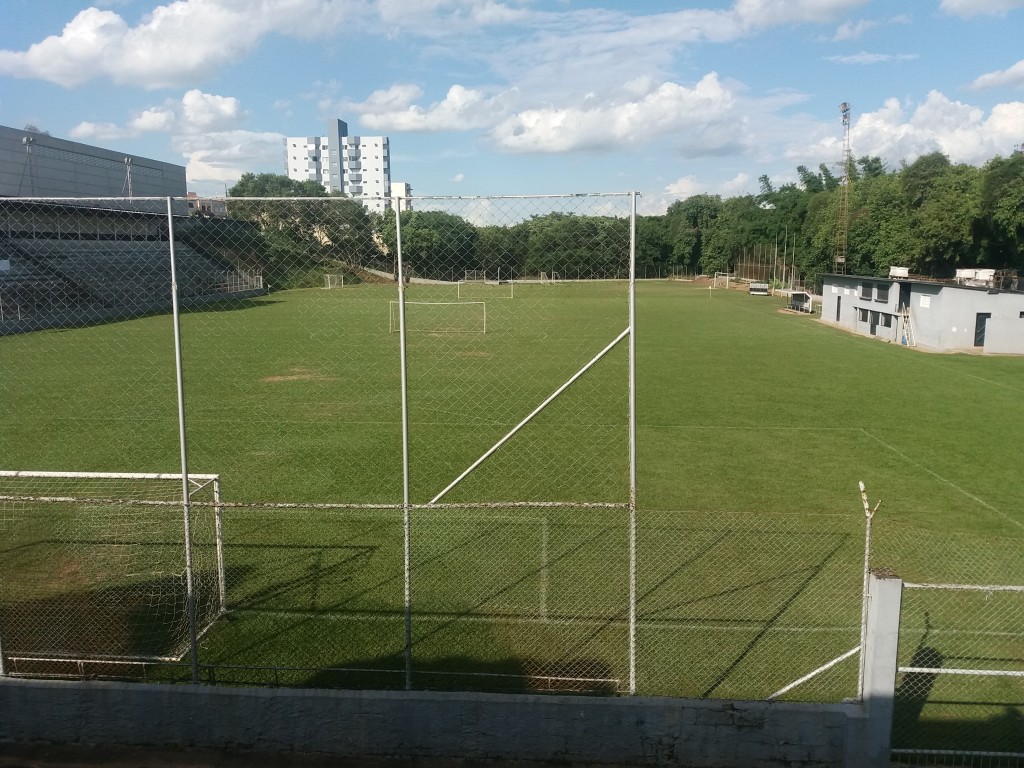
(440, 317)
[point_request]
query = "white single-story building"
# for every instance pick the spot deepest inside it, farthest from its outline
(933, 315)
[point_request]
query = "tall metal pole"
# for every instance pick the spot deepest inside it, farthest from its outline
(185, 491)
(406, 517)
(632, 445)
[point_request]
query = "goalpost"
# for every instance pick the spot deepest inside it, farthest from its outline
(440, 317)
(96, 572)
(334, 281)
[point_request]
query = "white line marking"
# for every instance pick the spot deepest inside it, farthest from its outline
(937, 476)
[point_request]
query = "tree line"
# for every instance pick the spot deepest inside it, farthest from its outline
(931, 216)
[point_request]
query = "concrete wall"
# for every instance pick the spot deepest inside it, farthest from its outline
(637, 731)
(943, 316)
(35, 165)
(848, 295)
(947, 322)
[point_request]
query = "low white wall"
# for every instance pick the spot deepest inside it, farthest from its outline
(624, 731)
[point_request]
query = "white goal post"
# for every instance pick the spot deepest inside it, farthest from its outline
(89, 554)
(334, 281)
(440, 317)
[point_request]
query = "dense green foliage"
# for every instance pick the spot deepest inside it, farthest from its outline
(931, 215)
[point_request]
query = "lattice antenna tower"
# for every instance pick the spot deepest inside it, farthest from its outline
(843, 197)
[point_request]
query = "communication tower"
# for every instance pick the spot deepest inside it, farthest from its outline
(843, 195)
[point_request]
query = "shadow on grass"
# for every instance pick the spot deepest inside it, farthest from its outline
(72, 632)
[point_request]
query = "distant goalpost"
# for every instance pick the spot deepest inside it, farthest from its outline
(441, 317)
(722, 279)
(334, 281)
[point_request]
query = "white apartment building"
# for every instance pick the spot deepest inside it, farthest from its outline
(356, 166)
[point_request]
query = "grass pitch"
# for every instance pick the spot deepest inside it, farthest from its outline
(754, 427)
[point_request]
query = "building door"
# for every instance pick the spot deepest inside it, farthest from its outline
(979, 328)
(874, 323)
(839, 306)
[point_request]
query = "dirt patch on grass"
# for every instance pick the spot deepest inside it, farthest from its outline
(298, 374)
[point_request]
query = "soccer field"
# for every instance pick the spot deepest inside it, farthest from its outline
(754, 427)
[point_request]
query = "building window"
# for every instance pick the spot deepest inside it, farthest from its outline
(863, 315)
(886, 320)
(882, 292)
(865, 290)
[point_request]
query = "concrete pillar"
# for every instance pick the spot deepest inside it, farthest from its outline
(881, 644)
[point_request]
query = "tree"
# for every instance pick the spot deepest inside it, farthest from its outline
(301, 238)
(871, 167)
(1002, 205)
(275, 185)
(435, 244)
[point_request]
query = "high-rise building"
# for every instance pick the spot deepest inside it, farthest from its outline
(356, 166)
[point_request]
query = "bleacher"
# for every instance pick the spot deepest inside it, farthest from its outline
(49, 281)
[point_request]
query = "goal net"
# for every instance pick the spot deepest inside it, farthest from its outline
(440, 317)
(95, 568)
(334, 281)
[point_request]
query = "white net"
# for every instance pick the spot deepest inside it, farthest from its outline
(95, 568)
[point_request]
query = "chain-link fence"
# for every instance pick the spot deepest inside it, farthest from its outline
(421, 423)
(421, 428)
(960, 687)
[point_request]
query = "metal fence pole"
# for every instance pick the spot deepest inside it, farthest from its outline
(406, 521)
(219, 521)
(632, 444)
(185, 500)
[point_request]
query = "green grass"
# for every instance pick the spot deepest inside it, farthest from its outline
(754, 428)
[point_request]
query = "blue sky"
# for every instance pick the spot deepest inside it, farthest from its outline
(524, 96)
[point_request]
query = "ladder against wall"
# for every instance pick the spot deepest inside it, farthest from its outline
(908, 327)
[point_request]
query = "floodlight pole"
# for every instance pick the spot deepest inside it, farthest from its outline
(185, 490)
(632, 445)
(406, 517)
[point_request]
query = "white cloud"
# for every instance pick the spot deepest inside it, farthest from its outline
(180, 42)
(701, 115)
(1006, 78)
(459, 178)
(461, 109)
(87, 131)
(223, 156)
(967, 8)
(897, 132)
(854, 30)
(206, 111)
(195, 113)
(873, 58)
(765, 13)
(152, 120)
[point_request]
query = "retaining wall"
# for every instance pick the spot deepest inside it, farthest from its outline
(614, 731)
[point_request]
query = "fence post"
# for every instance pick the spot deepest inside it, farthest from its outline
(881, 644)
(406, 516)
(183, 446)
